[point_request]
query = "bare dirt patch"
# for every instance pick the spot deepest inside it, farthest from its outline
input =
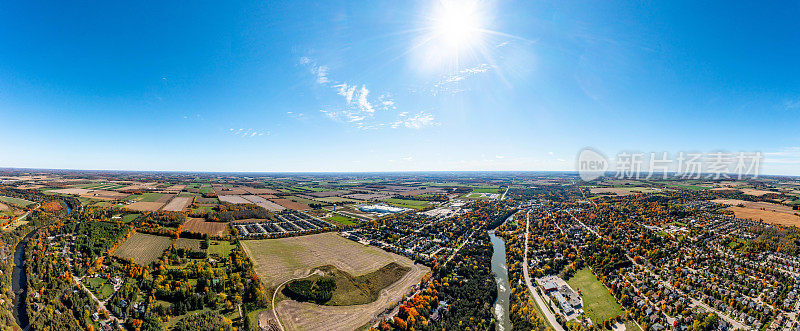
(4, 207)
(612, 190)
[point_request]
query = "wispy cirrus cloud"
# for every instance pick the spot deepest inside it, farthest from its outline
(451, 84)
(247, 133)
(360, 108)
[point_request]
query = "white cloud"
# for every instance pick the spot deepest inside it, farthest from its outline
(247, 133)
(450, 84)
(363, 102)
(419, 121)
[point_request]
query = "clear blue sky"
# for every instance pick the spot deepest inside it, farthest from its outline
(393, 85)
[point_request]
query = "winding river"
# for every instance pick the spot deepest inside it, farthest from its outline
(19, 281)
(500, 271)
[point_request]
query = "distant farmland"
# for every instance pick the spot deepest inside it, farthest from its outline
(143, 248)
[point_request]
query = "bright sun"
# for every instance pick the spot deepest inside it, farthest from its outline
(457, 24)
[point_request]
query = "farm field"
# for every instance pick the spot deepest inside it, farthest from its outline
(768, 212)
(337, 200)
(233, 199)
(15, 201)
(143, 248)
(263, 203)
(597, 300)
(178, 204)
(129, 218)
(486, 190)
(198, 225)
(144, 206)
(277, 260)
(4, 207)
(289, 204)
(188, 244)
(414, 204)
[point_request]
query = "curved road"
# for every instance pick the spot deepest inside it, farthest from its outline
(275, 311)
(551, 318)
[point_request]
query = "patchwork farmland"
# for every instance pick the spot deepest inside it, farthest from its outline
(143, 248)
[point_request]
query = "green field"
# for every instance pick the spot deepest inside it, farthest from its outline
(598, 303)
(413, 204)
(363, 289)
(222, 248)
(343, 220)
(15, 201)
(206, 190)
(129, 218)
(486, 190)
(143, 248)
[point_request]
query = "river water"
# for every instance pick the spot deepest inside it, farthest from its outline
(500, 271)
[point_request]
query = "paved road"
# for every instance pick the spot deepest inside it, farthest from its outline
(504, 193)
(100, 304)
(551, 319)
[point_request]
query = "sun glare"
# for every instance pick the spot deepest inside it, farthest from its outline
(457, 24)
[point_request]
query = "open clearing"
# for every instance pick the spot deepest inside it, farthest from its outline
(597, 300)
(144, 206)
(178, 204)
(143, 248)
(308, 316)
(405, 203)
(4, 207)
(15, 201)
(289, 204)
(277, 260)
(198, 225)
(768, 212)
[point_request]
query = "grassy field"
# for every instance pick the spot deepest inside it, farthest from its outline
(129, 218)
(277, 260)
(413, 204)
(486, 190)
(221, 248)
(362, 289)
(146, 197)
(15, 201)
(598, 303)
(143, 248)
(343, 220)
(188, 244)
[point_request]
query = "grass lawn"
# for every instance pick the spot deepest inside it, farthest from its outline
(206, 190)
(223, 248)
(106, 291)
(413, 204)
(598, 303)
(15, 201)
(343, 220)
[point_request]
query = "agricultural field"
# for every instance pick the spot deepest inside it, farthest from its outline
(768, 212)
(405, 203)
(486, 190)
(129, 218)
(145, 206)
(289, 204)
(189, 244)
(277, 260)
(15, 201)
(178, 204)
(198, 225)
(336, 200)
(143, 248)
(598, 303)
